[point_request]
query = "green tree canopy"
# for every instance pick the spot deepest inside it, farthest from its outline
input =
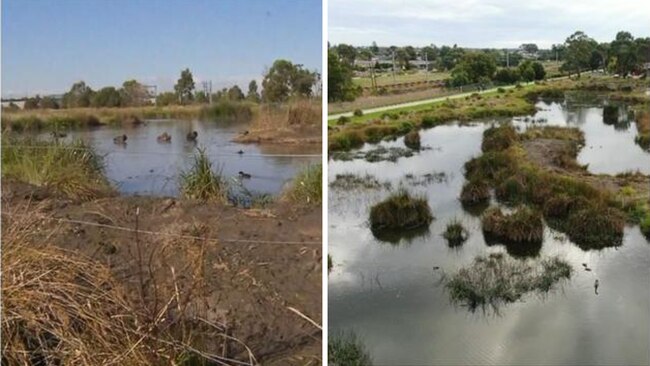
(235, 93)
(474, 67)
(79, 96)
(134, 94)
(579, 48)
(339, 80)
(285, 80)
(185, 86)
(106, 97)
(624, 49)
(253, 95)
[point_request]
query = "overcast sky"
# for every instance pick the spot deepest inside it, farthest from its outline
(48, 45)
(482, 23)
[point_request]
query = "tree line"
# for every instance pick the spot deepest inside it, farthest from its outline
(284, 80)
(624, 55)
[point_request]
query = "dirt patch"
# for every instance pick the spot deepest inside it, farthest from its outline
(255, 264)
(548, 153)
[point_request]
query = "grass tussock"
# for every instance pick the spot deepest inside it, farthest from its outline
(307, 186)
(72, 169)
(400, 211)
(497, 279)
(455, 233)
(347, 349)
(475, 192)
(231, 110)
(499, 138)
(201, 182)
(643, 126)
(412, 140)
(522, 226)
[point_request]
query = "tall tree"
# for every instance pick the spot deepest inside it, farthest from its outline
(347, 53)
(474, 67)
(339, 80)
(374, 48)
(285, 80)
(579, 48)
(185, 86)
(134, 94)
(79, 96)
(253, 95)
(106, 97)
(235, 93)
(624, 48)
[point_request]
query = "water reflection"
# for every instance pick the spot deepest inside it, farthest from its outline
(392, 297)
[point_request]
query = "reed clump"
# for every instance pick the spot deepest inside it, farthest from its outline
(412, 140)
(400, 211)
(201, 182)
(347, 349)
(475, 192)
(455, 233)
(524, 225)
(497, 279)
(72, 169)
(307, 186)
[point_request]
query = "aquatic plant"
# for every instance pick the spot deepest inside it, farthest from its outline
(455, 233)
(73, 169)
(474, 192)
(400, 211)
(496, 279)
(412, 140)
(200, 182)
(521, 226)
(347, 349)
(499, 138)
(352, 181)
(307, 186)
(240, 111)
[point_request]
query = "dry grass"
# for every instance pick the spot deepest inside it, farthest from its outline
(60, 307)
(288, 116)
(523, 225)
(400, 211)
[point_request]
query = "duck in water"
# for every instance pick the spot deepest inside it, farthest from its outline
(120, 139)
(191, 136)
(596, 286)
(58, 135)
(243, 175)
(165, 137)
(244, 133)
(240, 152)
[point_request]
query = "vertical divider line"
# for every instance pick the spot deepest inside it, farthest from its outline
(325, 221)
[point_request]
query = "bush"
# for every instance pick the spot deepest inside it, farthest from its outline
(400, 211)
(499, 138)
(412, 140)
(343, 120)
(595, 227)
(523, 225)
(358, 112)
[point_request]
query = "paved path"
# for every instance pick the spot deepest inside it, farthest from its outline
(428, 101)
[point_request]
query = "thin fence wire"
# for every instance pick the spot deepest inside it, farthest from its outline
(158, 233)
(244, 155)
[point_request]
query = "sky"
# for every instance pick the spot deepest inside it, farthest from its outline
(482, 23)
(49, 45)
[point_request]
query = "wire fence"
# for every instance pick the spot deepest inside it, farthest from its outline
(162, 234)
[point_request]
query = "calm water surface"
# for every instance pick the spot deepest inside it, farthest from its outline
(390, 295)
(145, 166)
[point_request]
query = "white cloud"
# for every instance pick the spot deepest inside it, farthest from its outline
(482, 23)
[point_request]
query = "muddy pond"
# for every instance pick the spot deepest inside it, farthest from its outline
(146, 166)
(390, 295)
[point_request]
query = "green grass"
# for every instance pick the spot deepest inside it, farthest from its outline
(224, 109)
(497, 279)
(307, 186)
(524, 225)
(346, 349)
(455, 233)
(73, 169)
(201, 182)
(386, 79)
(400, 211)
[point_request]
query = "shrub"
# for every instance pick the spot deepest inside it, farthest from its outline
(358, 112)
(412, 140)
(523, 225)
(343, 120)
(400, 211)
(595, 227)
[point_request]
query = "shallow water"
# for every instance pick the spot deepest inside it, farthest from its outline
(145, 166)
(390, 295)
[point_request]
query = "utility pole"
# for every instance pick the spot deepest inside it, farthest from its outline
(426, 66)
(207, 90)
(393, 66)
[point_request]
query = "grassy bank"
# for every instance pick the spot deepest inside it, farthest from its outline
(352, 132)
(60, 119)
(567, 196)
(72, 169)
